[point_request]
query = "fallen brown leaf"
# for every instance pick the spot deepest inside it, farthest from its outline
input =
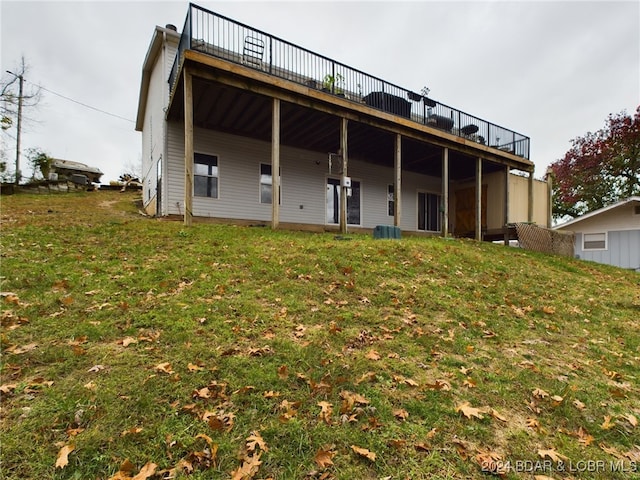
(584, 438)
(283, 372)
(557, 400)
(552, 454)
(606, 425)
(325, 412)
(539, 393)
(147, 471)
(578, 404)
(469, 383)
(468, 411)
(128, 341)
(363, 452)
(248, 469)
(494, 413)
(533, 423)
(194, 368)
(439, 385)
(401, 414)
(491, 462)
(324, 456)
(373, 355)
(164, 367)
(255, 441)
(631, 419)
(366, 377)
(63, 456)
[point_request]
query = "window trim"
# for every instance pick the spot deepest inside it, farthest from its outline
(391, 200)
(595, 249)
(360, 201)
(270, 184)
(438, 220)
(217, 176)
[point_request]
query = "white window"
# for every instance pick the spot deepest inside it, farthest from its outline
(266, 184)
(205, 175)
(594, 241)
(390, 201)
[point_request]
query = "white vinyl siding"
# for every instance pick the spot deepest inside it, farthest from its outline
(154, 127)
(152, 135)
(303, 178)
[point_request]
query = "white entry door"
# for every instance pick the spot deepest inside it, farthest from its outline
(333, 202)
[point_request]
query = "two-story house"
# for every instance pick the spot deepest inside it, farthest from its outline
(239, 125)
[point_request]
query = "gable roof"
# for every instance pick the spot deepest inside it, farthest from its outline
(150, 59)
(600, 211)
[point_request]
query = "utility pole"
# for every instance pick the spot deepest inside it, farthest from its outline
(19, 126)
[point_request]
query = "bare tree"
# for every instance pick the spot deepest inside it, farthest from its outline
(132, 169)
(14, 97)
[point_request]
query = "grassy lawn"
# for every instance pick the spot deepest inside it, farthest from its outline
(137, 348)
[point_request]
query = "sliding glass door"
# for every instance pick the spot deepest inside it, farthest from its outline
(429, 218)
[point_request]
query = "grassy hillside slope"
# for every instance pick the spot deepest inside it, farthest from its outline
(137, 348)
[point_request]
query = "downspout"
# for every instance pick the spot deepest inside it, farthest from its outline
(164, 157)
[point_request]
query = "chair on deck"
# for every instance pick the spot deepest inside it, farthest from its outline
(469, 129)
(252, 52)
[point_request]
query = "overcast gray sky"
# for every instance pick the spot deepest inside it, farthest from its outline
(550, 70)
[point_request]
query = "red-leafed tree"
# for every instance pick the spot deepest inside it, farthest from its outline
(601, 168)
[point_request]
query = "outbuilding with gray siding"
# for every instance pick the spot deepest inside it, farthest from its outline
(609, 235)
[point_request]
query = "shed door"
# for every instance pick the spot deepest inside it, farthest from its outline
(466, 211)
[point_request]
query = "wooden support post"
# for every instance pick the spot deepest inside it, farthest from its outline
(507, 176)
(479, 199)
(397, 184)
(343, 189)
(549, 198)
(445, 192)
(275, 165)
(530, 200)
(188, 148)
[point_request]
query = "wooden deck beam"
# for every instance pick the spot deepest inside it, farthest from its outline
(345, 164)
(214, 69)
(445, 192)
(275, 165)
(397, 184)
(188, 147)
(479, 199)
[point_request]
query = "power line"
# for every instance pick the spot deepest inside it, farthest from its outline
(85, 105)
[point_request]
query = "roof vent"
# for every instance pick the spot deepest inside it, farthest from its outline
(170, 26)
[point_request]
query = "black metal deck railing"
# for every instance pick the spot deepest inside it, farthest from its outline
(222, 37)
